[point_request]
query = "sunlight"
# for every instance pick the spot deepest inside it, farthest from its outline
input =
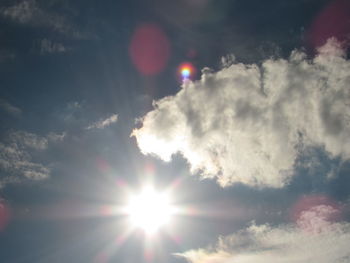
(149, 210)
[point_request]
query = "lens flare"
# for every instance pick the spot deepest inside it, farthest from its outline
(4, 215)
(332, 21)
(315, 213)
(186, 70)
(149, 49)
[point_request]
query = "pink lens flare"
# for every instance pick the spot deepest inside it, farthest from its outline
(332, 22)
(102, 165)
(4, 215)
(315, 213)
(149, 49)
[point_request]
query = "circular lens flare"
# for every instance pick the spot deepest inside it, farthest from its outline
(186, 70)
(149, 49)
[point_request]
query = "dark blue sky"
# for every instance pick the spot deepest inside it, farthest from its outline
(71, 95)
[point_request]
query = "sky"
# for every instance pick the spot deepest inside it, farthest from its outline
(239, 109)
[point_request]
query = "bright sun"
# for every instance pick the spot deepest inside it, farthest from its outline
(149, 210)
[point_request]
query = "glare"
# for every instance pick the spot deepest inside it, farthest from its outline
(149, 210)
(186, 72)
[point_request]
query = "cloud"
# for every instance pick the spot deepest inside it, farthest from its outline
(317, 218)
(6, 55)
(103, 122)
(16, 157)
(78, 116)
(28, 140)
(23, 12)
(72, 112)
(56, 137)
(29, 12)
(49, 47)
(286, 243)
(13, 110)
(248, 123)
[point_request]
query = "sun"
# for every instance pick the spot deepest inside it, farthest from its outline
(149, 210)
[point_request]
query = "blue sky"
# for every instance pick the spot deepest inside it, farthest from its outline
(253, 144)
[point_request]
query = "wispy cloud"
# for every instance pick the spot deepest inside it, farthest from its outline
(248, 123)
(23, 12)
(285, 243)
(11, 109)
(25, 139)
(49, 47)
(17, 153)
(6, 55)
(72, 113)
(56, 137)
(29, 12)
(103, 122)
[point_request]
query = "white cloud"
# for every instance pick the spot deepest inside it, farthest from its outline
(247, 123)
(286, 243)
(103, 122)
(16, 158)
(13, 110)
(317, 218)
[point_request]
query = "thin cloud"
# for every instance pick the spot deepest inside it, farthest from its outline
(49, 47)
(56, 137)
(9, 108)
(25, 139)
(285, 243)
(72, 111)
(103, 123)
(29, 12)
(24, 12)
(6, 55)
(248, 123)
(16, 156)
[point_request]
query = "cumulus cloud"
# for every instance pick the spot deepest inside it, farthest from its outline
(248, 123)
(103, 122)
(16, 157)
(317, 218)
(285, 243)
(8, 107)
